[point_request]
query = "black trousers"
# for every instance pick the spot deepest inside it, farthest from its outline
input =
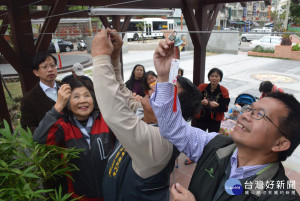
(211, 125)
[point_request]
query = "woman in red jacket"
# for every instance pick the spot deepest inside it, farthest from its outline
(215, 102)
(80, 126)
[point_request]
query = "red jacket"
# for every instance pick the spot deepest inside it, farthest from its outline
(220, 95)
(62, 131)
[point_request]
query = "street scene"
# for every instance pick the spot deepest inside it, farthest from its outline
(69, 130)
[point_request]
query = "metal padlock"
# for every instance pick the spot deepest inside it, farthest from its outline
(172, 36)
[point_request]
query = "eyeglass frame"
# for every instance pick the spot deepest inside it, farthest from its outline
(248, 108)
(49, 66)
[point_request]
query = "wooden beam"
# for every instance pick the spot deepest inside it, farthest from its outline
(153, 4)
(268, 2)
(191, 23)
(50, 25)
(4, 25)
(19, 18)
(206, 19)
(126, 24)
(104, 21)
(43, 14)
(10, 55)
(116, 24)
(212, 20)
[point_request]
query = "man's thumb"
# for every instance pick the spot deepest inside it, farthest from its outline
(179, 188)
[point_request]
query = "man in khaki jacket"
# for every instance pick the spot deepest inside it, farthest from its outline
(150, 158)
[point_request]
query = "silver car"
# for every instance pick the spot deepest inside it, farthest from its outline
(267, 42)
(255, 34)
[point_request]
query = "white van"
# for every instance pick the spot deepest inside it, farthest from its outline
(255, 34)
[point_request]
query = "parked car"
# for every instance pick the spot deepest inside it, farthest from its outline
(267, 42)
(64, 46)
(255, 34)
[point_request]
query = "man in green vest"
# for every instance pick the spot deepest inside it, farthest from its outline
(245, 166)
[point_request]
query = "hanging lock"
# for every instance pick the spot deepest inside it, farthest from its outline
(177, 40)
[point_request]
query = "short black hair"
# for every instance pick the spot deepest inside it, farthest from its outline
(145, 82)
(190, 98)
(77, 83)
(41, 57)
(289, 125)
(181, 71)
(217, 71)
(265, 87)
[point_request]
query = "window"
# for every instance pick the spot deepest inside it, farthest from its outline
(133, 26)
(276, 40)
(160, 25)
(265, 40)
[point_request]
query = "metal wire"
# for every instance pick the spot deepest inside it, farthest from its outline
(30, 4)
(169, 31)
(72, 11)
(22, 7)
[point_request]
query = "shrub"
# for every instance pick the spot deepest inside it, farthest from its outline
(296, 47)
(286, 40)
(262, 50)
(25, 165)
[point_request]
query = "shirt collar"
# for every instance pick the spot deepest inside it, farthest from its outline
(45, 87)
(245, 171)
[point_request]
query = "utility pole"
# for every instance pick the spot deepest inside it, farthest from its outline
(285, 25)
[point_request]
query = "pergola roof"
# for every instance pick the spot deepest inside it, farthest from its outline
(200, 15)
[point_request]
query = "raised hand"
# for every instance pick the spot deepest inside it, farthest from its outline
(63, 96)
(116, 41)
(102, 44)
(180, 193)
(162, 59)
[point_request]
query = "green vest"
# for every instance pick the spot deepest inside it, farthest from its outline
(208, 179)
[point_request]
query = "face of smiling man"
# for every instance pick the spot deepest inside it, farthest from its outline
(261, 136)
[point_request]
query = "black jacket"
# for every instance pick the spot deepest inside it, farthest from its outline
(34, 106)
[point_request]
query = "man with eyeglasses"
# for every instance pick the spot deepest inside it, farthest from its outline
(41, 98)
(245, 166)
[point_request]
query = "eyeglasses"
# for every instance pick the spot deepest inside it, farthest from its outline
(258, 114)
(50, 66)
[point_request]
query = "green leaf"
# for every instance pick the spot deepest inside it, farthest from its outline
(31, 175)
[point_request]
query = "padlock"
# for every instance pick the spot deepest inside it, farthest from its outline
(172, 36)
(177, 42)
